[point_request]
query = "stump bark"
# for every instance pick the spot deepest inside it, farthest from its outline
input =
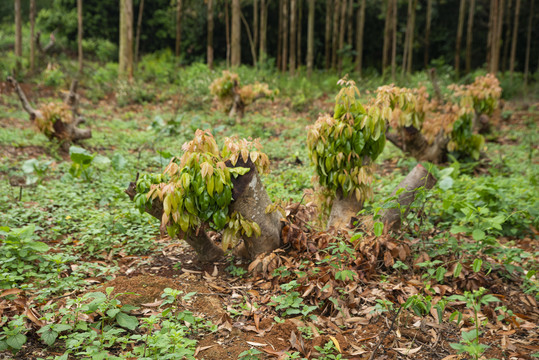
(250, 199)
(414, 143)
(237, 109)
(345, 209)
(205, 248)
(418, 177)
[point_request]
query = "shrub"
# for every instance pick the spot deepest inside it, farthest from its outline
(196, 188)
(136, 92)
(234, 97)
(53, 76)
(343, 147)
(53, 112)
(452, 119)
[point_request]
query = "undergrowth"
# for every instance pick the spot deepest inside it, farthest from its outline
(69, 219)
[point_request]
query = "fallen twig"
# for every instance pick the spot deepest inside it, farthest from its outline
(385, 335)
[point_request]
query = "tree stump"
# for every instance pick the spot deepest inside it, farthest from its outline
(57, 121)
(250, 199)
(345, 209)
(418, 177)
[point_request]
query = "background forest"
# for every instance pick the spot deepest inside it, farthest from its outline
(269, 179)
(347, 35)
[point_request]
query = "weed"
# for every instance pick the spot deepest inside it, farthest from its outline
(291, 303)
(13, 335)
(250, 354)
(470, 339)
(328, 352)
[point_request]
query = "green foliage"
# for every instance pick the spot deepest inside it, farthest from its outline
(159, 67)
(104, 50)
(13, 335)
(81, 161)
(250, 354)
(464, 139)
(451, 118)
(290, 303)
(470, 339)
(328, 352)
(89, 226)
(35, 170)
(235, 270)
(20, 256)
(53, 76)
(137, 92)
(488, 205)
(166, 334)
(343, 147)
(227, 87)
(197, 187)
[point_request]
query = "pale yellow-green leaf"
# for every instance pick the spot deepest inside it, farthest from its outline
(186, 180)
(256, 229)
(184, 221)
(166, 204)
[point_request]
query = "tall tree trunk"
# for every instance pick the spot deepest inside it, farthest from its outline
(255, 23)
(298, 31)
(411, 40)
(462, 11)
(263, 28)
(125, 67)
(528, 44)
(492, 32)
(227, 34)
(179, 6)
(32, 36)
(280, 37)
(427, 32)
(394, 42)
(18, 29)
(360, 26)
(250, 37)
(350, 22)
(335, 34)
(406, 37)
(507, 37)
(514, 41)
(235, 53)
(489, 35)
(310, 38)
(79, 33)
(210, 35)
(286, 21)
(387, 35)
(293, 28)
(341, 34)
(497, 41)
(139, 29)
(469, 36)
(327, 43)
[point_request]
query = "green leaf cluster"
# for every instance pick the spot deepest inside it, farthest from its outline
(81, 161)
(20, 254)
(196, 188)
(463, 138)
(343, 147)
(12, 335)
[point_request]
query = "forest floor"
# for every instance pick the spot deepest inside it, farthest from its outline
(324, 295)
